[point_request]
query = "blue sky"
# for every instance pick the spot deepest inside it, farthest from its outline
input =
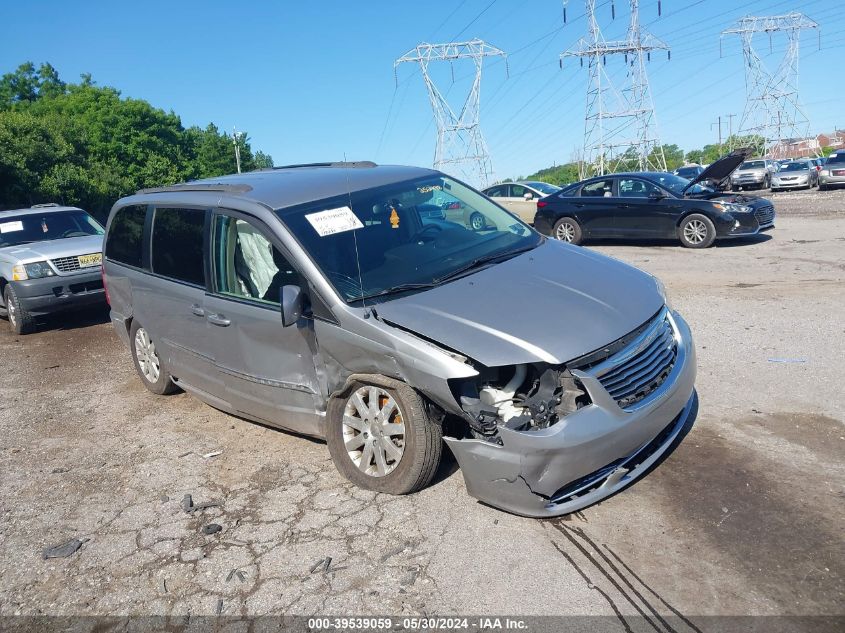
(314, 81)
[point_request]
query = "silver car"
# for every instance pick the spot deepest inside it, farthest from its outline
(756, 173)
(520, 198)
(316, 299)
(50, 260)
(832, 173)
(797, 174)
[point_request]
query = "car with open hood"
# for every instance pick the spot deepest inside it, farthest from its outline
(317, 299)
(50, 258)
(655, 205)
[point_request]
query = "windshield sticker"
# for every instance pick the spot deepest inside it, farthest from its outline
(334, 221)
(429, 188)
(11, 227)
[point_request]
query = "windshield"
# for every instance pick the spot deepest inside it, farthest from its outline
(42, 227)
(543, 187)
(677, 184)
(400, 246)
(688, 172)
(795, 167)
(835, 158)
(753, 164)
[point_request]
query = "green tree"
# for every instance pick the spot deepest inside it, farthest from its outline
(85, 145)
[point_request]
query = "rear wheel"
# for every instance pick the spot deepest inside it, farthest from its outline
(21, 321)
(381, 437)
(567, 230)
(476, 221)
(148, 364)
(696, 231)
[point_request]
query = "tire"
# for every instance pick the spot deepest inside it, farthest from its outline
(150, 367)
(21, 321)
(696, 231)
(476, 221)
(567, 229)
(354, 442)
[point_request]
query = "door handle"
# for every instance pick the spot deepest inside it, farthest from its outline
(218, 319)
(196, 309)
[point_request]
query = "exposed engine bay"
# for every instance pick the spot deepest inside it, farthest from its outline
(520, 397)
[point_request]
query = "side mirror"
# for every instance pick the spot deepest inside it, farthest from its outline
(291, 299)
(527, 195)
(655, 195)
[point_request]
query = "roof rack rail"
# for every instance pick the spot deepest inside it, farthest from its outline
(198, 186)
(45, 205)
(355, 164)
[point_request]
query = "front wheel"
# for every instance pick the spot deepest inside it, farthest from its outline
(381, 437)
(21, 321)
(148, 364)
(567, 230)
(697, 231)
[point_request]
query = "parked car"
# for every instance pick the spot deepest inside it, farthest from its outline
(833, 172)
(798, 174)
(655, 205)
(314, 298)
(520, 198)
(689, 171)
(756, 173)
(50, 260)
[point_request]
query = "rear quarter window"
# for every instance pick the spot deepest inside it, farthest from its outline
(177, 244)
(126, 235)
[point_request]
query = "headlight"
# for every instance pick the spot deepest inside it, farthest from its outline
(35, 270)
(824, 172)
(661, 288)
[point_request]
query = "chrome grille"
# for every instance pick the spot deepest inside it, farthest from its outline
(641, 367)
(765, 215)
(68, 264)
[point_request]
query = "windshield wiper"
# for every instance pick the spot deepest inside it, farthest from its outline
(480, 261)
(395, 289)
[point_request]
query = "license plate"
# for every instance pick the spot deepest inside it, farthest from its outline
(94, 259)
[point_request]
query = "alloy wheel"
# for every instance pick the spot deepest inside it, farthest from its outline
(373, 431)
(145, 352)
(476, 221)
(565, 232)
(695, 232)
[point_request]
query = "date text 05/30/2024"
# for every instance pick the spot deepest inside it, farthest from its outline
(416, 624)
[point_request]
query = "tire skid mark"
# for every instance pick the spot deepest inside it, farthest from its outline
(621, 581)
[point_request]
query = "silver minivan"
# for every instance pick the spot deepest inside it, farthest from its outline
(319, 299)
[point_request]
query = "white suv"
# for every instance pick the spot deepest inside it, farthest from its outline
(50, 260)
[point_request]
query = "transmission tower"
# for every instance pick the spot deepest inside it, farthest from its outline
(620, 123)
(460, 145)
(772, 110)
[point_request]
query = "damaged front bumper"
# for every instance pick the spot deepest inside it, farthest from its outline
(590, 454)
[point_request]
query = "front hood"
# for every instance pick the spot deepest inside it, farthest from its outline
(720, 169)
(552, 304)
(732, 198)
(52, 249)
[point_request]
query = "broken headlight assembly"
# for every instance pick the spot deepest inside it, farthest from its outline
(521, 397)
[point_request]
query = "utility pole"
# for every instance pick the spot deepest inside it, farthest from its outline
(460, 144)
(237, 137)
(730, 118)
(772, 110)
(719, 123)
(619, 122)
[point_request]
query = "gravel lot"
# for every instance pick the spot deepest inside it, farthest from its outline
(745, 518)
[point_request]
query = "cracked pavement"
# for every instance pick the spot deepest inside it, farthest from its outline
(745, 517)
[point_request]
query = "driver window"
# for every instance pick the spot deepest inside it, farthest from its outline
(518, 191)
(634, 188)
(246, 264)
(598, 189)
